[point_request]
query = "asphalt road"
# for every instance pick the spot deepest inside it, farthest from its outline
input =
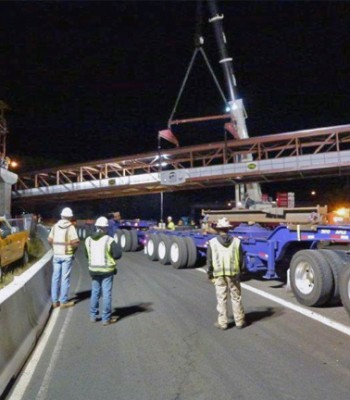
(165, 347)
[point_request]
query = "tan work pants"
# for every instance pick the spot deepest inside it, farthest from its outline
(229, 286)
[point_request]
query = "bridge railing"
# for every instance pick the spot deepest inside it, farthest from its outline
(271, 147)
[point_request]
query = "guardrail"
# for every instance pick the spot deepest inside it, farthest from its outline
(22, 315)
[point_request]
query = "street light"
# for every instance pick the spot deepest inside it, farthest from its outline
(13, 164)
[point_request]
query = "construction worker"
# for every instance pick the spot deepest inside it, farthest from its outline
(224, 263)
(102, 252)
(170, 224)
(114, 223)
(64, 239)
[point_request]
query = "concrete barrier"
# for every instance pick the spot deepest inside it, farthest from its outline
(24, 309)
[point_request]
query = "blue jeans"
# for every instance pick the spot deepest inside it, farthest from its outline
(101, 284)
(60, 284)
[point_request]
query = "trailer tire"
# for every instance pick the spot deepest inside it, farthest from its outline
(178, 252)
(191, 251)
(311, 278)
(337, 265)
(88, 231)
(117, 235)
(152, 247)
(344, 288)
(164, 249)
(125, 240)
(134, 240)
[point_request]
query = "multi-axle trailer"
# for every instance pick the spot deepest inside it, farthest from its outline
(314, 256)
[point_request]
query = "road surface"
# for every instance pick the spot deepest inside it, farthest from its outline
(165, 346)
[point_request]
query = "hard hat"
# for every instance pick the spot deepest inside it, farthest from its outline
(67, 212)
(170, 218)
(102, 222)
(223, 223)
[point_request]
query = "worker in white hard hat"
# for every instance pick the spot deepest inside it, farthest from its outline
(170, 224)
(102, 252)
(64, 239)
(225, 261)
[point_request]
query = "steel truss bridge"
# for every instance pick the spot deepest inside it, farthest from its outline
(303, 154)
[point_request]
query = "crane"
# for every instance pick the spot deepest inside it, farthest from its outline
(235, 106)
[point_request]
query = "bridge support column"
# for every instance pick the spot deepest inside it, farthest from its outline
(7, 179)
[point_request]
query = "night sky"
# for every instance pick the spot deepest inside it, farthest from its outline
(92, 80)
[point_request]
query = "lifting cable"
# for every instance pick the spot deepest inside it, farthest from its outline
(199, 41)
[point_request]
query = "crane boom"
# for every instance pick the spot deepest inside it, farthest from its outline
(235, 106)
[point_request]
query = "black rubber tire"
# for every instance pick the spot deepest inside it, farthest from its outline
(152, 247)
(163, 249)
(90, 230)
(125, 240)
(312, 265)
(337, 265)
(134, 240)
(178, 252)
(344, 288)
(117, 235)
(192, 252)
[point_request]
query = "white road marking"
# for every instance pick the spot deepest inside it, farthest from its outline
(301, 310)
(54, 357)
(31, 365)
(57, 350)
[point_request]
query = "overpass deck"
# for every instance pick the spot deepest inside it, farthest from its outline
(285, 156)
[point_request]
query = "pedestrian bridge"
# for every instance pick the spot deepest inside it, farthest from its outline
(278, 157)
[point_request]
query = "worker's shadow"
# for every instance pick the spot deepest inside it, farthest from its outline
(128, 311)
(81, 296)
(264, 313)
(120, 312)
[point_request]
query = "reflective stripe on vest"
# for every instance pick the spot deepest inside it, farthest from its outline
(225, 259)
(61, 244)
(100, 259)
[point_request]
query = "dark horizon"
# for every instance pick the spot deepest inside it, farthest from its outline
(95, 80)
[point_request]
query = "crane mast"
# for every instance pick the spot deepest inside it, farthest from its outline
(235, 106)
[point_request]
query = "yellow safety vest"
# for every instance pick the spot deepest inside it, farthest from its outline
(100, 259)
(62, 237)
(226, 260)
(171, 226)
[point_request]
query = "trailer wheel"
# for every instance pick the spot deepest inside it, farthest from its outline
(178, 252)
(337, 265)
(311, 278)
(125, 240)
(344, 289)
(192, 252)
(117, 235)
(134, 240)
(164, 249)
(152, 246)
